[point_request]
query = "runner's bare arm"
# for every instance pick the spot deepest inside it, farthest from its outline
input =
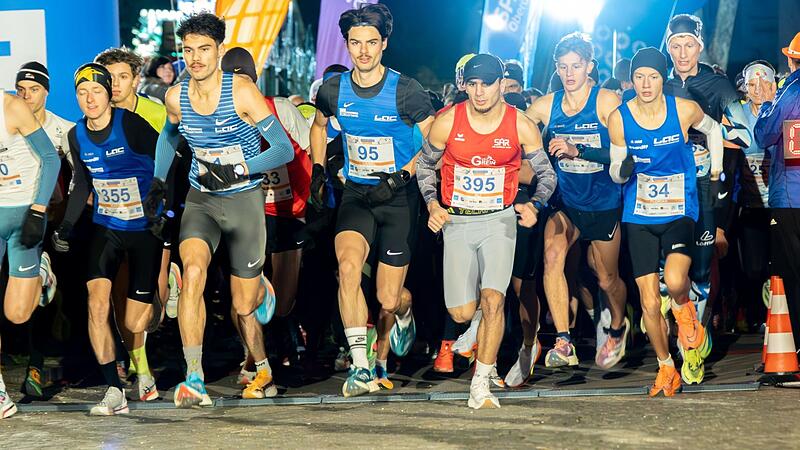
(319, 138)
(539, 111)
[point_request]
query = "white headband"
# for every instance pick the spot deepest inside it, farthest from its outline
(759, 71)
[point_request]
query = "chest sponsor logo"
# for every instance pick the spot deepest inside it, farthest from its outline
(343, 112)
(95, 169)
(115, 152)
(501, 143)
(667, 140)
(585, 126)
(378, 118)
(91, 160)
(459, 137)
(637, 144)
(478, 160)
(637, 159)
(191, 130)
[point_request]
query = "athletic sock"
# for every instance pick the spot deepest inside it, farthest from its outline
(666, 362)
(483, 370)
(404, 319)
(616, 333)
(109, 371)
(194, 360)
(383, 363)
(263, 365)
(565, 336)
(139, 360)
(357, 340)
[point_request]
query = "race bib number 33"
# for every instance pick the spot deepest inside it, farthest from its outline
(278, 188)
(478, 188)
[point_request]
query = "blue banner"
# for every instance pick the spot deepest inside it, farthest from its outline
(504, 26)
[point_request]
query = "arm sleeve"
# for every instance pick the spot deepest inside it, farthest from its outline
(296, 125)
(165, 149)
(619, 156)
(41, 144)
(280, 149)
(545, 175)
(426, 170)
(713, 132)
(80, 189)
(599, 155)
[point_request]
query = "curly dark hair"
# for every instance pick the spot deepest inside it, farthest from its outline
(204, 24)
(577, 42)
(120, 55)
(373, 15)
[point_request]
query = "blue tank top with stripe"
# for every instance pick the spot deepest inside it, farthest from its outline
(663, 186)
(221, 137)
(375, 137)
(583, 185)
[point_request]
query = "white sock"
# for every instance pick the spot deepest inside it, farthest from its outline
(382, 362)
(483, 370)
(263, 364)
(666, 362)
(404, 319)
(357, 340)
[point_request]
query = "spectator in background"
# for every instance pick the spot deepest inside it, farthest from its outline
(157, 77)
(514, 76)
(531, 94)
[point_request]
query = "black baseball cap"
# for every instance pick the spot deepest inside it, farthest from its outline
(485, 67)
(514, 71)
(240, 61)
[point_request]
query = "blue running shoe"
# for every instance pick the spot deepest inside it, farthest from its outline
(359, 381)
(382, 378)
(402, 338)
(191, 392)
(266, 309)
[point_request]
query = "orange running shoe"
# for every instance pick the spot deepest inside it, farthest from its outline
(690, 332)
(668, 380)
(444, 360)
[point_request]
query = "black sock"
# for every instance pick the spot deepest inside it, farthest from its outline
(35, 358)
(109, 371)
(617, 333)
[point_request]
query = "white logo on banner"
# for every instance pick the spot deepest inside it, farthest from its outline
(23, 35)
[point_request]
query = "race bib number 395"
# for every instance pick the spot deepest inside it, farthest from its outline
(478, 188)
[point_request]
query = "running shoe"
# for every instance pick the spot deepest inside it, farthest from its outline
(372, 346)
(342, 361)
(497, 380)
(402, 337)
(49, 286)
(146, 386)
(261, 387)
(266, 309)
(444, 359)
(479, 394)
(467, 342)
(359, 381)
(122, 373)
(191, 392)
(113, 403)
(175, 285)
(614, 349)
(693, 368)
(245, 376)
(691, 333)
(666, 302)
(382, 378)
(522, 370)
(563, 354)
(33, 383)
(667, 381)
(7, 406)
(603, 324)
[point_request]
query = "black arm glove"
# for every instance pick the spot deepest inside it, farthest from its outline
(33, 228)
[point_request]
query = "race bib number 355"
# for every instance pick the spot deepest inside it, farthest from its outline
(367, 155)
(478, 188)
(119, 198)
(662, 196)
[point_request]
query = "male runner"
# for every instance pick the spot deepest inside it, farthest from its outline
(514, 76)
(113, 151)
(481, 144)
(588, 204)
(716, 95)
(776, 131)
(377, 109)
(221, 115)
(651, 155)
(33, 85)
(28, 172)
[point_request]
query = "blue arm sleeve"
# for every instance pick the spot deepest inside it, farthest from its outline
(280, 149)
(165, 149)
(43, 147)
(599, 155)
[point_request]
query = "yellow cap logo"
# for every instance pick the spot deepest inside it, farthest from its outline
(87, 74)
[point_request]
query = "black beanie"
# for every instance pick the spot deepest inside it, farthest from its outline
(34, 71)
(239, 60)
(652, 58)
(94, 72)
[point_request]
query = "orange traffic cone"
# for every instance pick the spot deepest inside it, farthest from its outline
(766, 323)
(781, 357)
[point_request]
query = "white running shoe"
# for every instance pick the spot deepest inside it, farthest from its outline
(7, 406)
(602, 325)
(464, 344)
(496, 379)
(479, 394)
(49, 286)
(522, 370)
(175, 285)
(146, 386)
(113, 403)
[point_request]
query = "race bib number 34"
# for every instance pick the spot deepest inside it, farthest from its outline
(478, 188)
(662, 196)
(367, 155)
(119, 198)
(224, 155)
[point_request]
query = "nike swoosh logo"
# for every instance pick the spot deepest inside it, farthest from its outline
(267, 127)
(222, 122)
(391, 253)
(348, 104)
(722, 195)
(299, 243)
(25, 269)
(142, 293)
(253, 264)
(614, 230)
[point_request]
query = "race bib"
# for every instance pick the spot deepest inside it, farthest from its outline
(276, 185)
(577, 165)
(224, 155)
(791, 139)
(367, 155)
(759, 168)
(478, 188)
(702, 160)
(10, 175)
(662, 196)
(119, 198)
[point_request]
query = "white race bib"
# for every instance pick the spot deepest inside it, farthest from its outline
(119, 198)
(661, 196)
(11, 181)
(276, 182)
(478, 188)
(224, 155)
(757, 165)
(578, 165)
(367, 155)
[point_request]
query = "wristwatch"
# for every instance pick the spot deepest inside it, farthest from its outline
(238, 169)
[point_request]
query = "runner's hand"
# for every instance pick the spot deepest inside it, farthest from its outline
(153, 203)
(527, 214)
(561, 148)
(317, 182)
(33, 228)
(438, 216)
(218, 176)
(60, 237)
